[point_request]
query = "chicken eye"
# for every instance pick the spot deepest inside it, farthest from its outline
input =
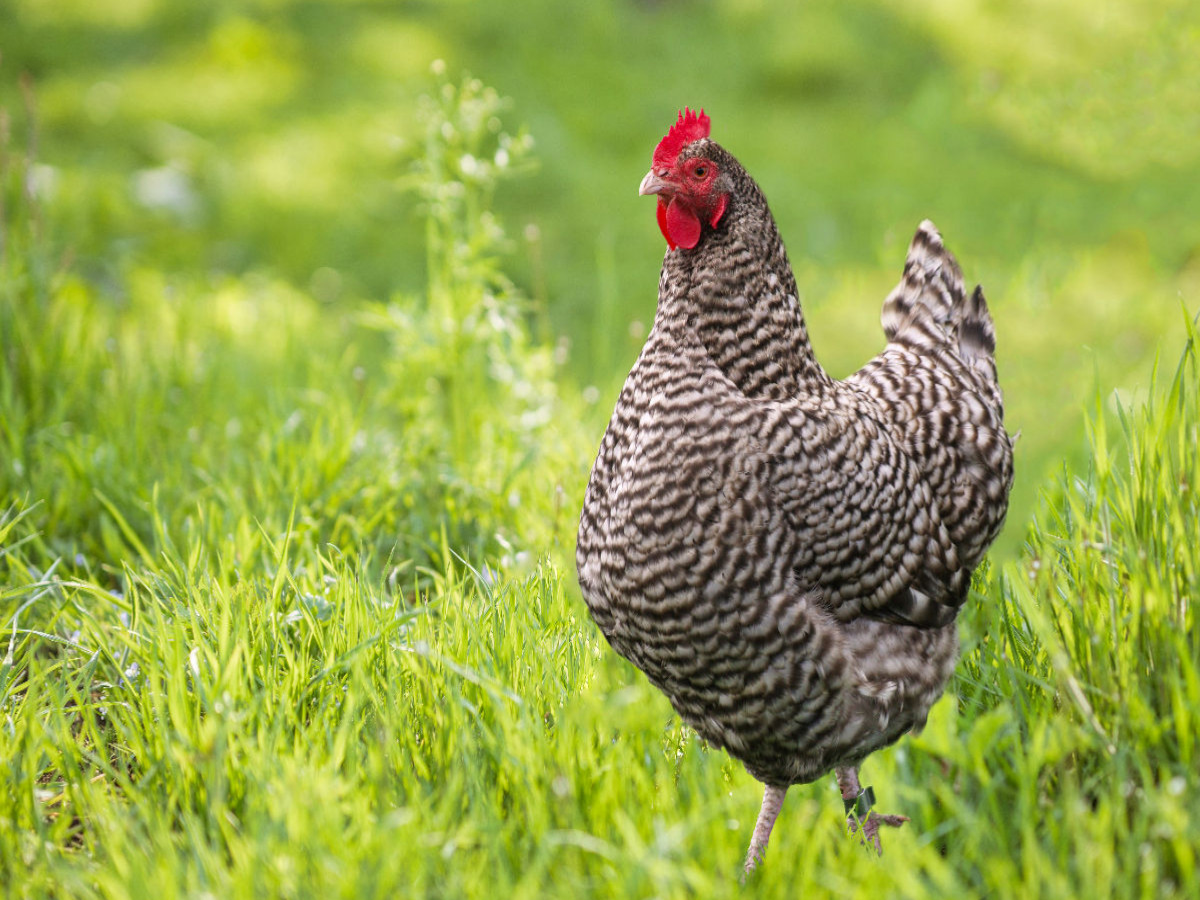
(700, 171)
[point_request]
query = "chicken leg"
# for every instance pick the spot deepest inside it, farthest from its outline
(858, 802)
(771, 804)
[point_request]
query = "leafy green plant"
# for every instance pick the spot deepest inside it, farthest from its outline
(475, 391)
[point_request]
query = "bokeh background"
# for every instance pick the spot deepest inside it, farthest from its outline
(1055, 143)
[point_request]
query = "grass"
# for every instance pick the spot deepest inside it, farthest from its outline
(288, 609)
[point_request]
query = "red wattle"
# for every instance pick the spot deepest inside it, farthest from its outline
(682, 225)
(662, 222)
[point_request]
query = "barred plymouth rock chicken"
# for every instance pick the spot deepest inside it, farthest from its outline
(782, 553)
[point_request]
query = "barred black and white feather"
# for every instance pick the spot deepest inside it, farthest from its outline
(782, 553)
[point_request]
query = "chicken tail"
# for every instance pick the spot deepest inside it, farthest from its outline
(929, 310)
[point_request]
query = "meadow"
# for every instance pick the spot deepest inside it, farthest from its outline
(307, 341)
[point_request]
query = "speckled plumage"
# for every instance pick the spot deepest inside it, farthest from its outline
(782, 553)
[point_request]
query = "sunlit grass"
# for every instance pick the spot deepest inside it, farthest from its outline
(287, 605)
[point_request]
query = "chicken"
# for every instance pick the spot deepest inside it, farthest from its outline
(781, 553)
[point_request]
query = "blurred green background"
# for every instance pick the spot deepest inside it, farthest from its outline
(1056, 144)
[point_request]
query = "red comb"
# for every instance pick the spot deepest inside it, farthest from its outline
(690, 127)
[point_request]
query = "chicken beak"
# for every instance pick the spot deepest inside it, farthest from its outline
(653, 184)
